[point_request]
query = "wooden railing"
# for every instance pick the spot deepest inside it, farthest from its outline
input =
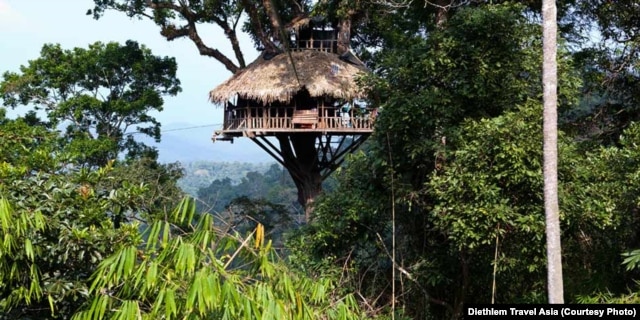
(280, 122)
(250, 119)
(318, 45)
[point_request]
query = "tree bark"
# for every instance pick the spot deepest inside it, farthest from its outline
(344, 35)
(171, 32)
(254, 19)
(442, 7)
(274, 19)
(301, 160)
(550, 152)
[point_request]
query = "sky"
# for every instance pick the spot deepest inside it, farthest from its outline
(26, 25)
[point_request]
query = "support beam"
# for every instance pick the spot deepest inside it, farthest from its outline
(272, 150)
(310, 158)
(333, 157)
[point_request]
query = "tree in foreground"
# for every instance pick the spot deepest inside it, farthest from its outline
(74, 239)
(56, 223)
(550, 154)
(184, 267)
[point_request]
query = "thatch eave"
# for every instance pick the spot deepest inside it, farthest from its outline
(267, 81)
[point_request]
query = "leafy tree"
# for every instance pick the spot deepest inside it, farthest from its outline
(161, 194)
(492, 173)
(484, 63)
(481, 193)
(432, 83)
(98, 94)
(56, 223)
(609, 67)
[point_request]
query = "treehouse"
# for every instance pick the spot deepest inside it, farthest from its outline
(306, 99)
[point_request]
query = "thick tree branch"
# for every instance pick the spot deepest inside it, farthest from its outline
(233, 38)
(170, 32)
(273, 18)
(257, 26)
(208, 51)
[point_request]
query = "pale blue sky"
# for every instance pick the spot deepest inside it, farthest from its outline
(25, 25)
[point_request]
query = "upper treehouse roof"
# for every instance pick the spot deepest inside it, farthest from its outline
(269, 80)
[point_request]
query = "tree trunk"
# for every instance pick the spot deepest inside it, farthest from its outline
(308, 189)
(344, 36)
(441, 12)
(550, 152)
(274, 19)
(301, 160)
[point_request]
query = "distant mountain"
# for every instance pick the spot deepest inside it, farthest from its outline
(187, 143)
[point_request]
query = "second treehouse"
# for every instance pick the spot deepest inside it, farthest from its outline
(302, 105)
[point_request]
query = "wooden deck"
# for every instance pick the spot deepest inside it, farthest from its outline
(254, 121)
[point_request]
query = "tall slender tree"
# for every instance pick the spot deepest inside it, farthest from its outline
(550, 151)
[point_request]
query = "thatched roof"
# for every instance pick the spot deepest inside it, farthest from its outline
(266, 81)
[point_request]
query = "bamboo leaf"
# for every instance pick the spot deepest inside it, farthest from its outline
(28, 249)
(170, 304)
(5, 214)
(259, 235)
(154, 233)
(166, 232)
(152, 275)
(51, 304)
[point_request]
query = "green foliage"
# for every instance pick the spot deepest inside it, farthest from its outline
(268, 198)
(609, 68)
(491, 187)
(459, 180)
(344, 238)
(632, 259)
(613, 183)
(456, 155)
(610, 298)
(58, 221)
(99, 94)
(488, 186)
(482, 189)
(56, 224)
(161, 193)
(343, 219)
(484, 63)
(198, 272)
(28, 148)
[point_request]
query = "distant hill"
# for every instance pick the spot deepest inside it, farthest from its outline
(200, 174)
(185, 142)
(205, 161)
